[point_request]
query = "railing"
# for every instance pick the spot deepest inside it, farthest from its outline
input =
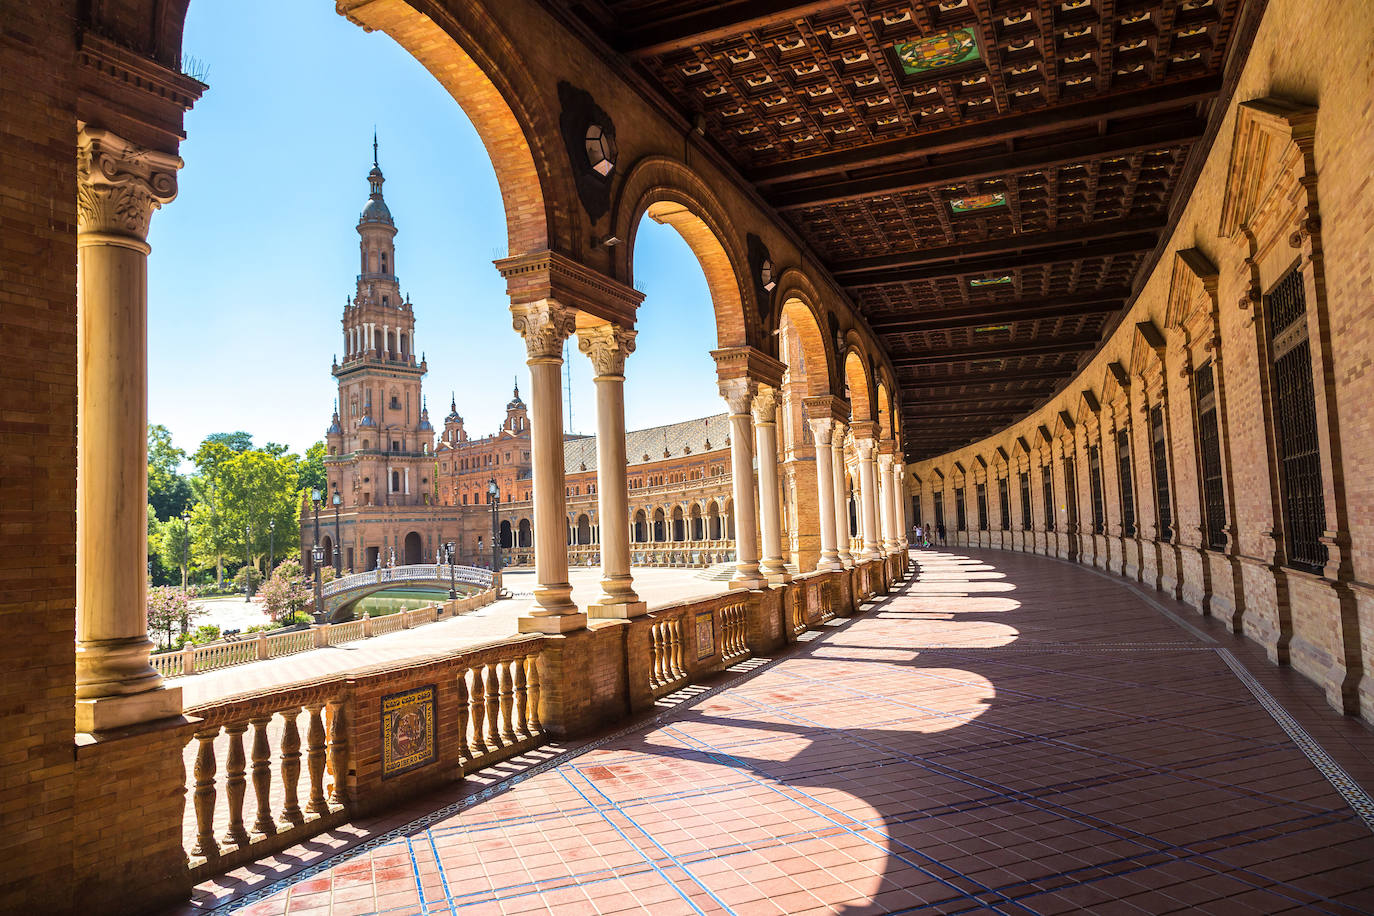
(795, 603)
(494, 692)
(221, 821)
(242, 649)
(428, 572)
(734, 626)
(498, 705)
(667, 671)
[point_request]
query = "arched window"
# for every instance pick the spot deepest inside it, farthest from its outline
(384, 262)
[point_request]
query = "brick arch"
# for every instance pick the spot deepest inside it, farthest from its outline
(462, 47)
(884, 412)
(799, 307)
(860, 384)
(669, 192)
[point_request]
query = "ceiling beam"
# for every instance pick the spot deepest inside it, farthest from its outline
(1000, 351)
(1178, 132)
(983, 378)
(1053, 120)
(977, 397)
(1014, 243)
(998, 264)
(712, 22)
(972, 413)
(1108, 300)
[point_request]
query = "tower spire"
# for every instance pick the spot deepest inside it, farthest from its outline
(374, 147)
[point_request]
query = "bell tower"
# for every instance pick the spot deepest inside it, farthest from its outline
(381, 441)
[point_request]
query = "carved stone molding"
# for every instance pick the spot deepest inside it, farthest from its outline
(545, 325)
(119, 185)
(607, 346)
(766, 406)
(739, 394)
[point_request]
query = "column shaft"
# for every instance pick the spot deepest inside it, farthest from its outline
(868, 499)
(770, 517)
(889, 509)
(825, 495)
(545, 325)
(608, 346)
(119, 186)
(739, 394)
(841, 498)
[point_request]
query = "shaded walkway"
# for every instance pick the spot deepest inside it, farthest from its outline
(1006, 734)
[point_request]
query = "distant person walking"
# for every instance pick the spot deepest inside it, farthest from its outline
(920, 533)
(941, 530)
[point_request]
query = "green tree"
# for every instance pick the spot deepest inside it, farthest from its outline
(172, 542)
(236, 442)
(259, 489)
(287, 592)
(169, 491)
(312, 473)
(210, 538)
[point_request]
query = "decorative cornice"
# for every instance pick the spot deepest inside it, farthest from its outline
(751, 363)
(826, 405)
(549, 275)
(119, 185)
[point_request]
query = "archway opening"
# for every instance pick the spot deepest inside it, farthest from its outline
(414, 549)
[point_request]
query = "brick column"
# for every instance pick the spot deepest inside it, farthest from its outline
(545, 325)
(770, 517)
(118, 188)
(607, 345)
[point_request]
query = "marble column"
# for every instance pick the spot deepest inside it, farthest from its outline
(846, 558)
(739, 395)
(545, 325)
(903, 523)
(770, 515)
(119, 186)
(607, 346)
(868, 498)
(821, 430)
(888, 489)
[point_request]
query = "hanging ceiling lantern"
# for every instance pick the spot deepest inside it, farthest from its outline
(600, 150)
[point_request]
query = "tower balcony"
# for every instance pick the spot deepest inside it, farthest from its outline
(380, 360)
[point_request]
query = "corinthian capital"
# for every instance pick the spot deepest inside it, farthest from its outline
(119, 185)
(822, 428)
(607, 345)
(865, 447)
(545, 325)
(766, 406)
(739, 394)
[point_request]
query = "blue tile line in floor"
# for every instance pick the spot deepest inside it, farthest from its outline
(628, 842)
(767, 784)
(1087, 820)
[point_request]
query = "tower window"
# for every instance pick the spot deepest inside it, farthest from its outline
(383, 262)
(384, 302)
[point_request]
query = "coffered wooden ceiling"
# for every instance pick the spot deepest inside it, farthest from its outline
(988, 179)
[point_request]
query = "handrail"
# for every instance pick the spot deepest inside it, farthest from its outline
(425, 572)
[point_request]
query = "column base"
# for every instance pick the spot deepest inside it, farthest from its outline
(829, 566)
(103, 714)
(617, 610)
(553, 623)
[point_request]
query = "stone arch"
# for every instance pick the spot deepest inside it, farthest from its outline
(525, 533)
(414, 550)
(884, 412)
(584, 529)
(799, 311)
(669, 192)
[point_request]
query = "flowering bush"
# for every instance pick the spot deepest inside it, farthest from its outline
(168, 608)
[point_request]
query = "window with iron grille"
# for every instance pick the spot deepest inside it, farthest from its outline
(1159, 464)
(1047, 485)
(1209, 447)
(1095, 486)
(1024, 482)
(939, 509)
(1126, 480)
(1004, 502)
(1295, 404)
(982, 507)
(1071, 490)
(960, 512)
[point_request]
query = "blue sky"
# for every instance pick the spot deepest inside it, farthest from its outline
(252, 261)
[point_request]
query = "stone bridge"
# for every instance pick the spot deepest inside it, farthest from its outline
(343, 593)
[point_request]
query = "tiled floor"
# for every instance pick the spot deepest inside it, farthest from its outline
(1006, 734)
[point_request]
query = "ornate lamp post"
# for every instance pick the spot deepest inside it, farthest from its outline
(315, 503)
(271, 546)
(338, 567)
(317, 557)
(494, 497)
(452, 582)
